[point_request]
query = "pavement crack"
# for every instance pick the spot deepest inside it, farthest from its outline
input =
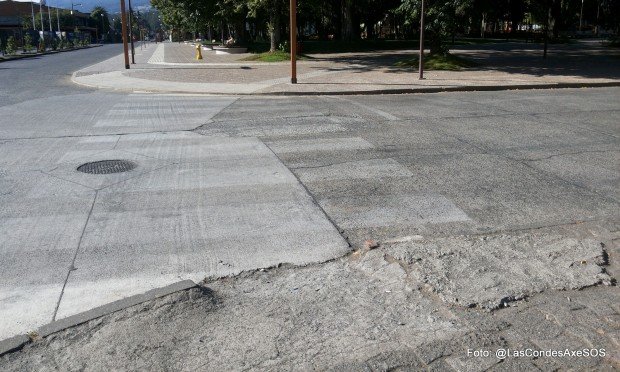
(66, 180)
(97, 135)
(312, 197)
(72, 266)
(116, 143)
(567, 154)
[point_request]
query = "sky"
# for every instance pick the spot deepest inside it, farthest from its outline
(87, 5)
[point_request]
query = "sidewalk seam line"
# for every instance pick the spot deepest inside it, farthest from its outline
(72, 267)
(311, 195)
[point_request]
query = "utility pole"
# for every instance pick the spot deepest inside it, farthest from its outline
(49, 15)
(124, 31)
(72, 17)
(581, 17)
(421, 59)
(102, 27)
(41, 14)
(133, 51)
(58, 21)
(32, 11)
(293, 27)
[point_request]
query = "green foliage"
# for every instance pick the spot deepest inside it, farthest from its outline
(442, 18)
(345, 20)
(448, 62)
(277, 56)
(284, 47)
(41, 47)
(11, 45)
(337, 46)
(27, 43)
(99, 19)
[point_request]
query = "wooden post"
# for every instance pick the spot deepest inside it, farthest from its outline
(133, 50)
(293, 31)
(421, 59)
(124, 31)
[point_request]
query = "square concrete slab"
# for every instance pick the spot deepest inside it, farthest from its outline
(387, 210)
(223, 205)
(41, 220)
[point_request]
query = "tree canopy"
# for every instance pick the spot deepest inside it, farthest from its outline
(347, 20)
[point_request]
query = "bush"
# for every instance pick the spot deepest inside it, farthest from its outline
(284, 47)
(11, 45)
(54, 44)
(41, 47)
(27, 43)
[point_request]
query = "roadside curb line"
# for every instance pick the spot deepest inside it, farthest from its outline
(17, 342)
(469, 88)
(421, 90)
(22, 56)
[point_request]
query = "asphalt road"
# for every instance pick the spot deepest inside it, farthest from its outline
(225, 185)
(50, 75)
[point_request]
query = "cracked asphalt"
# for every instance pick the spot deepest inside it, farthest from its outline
(476, 221)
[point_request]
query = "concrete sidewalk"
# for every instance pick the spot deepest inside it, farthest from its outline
(170, 67)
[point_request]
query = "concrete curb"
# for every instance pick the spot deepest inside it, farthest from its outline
(420, 90)
(481, 88)
(17, 342)
(21, 56)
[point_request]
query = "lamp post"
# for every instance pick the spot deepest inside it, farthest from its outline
(58, 22)
(49, 15)
(32, 11)
(72, 17)
(102, 26)
(41, 14)
(581, 16)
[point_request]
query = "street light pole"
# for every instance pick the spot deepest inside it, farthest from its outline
(124, 31)
(58, 22)
(49, 15)
(41, 14)
(72, 17)
(581, 16)
(421, 59)
(293, 29)
(32, 11)
(102, 26)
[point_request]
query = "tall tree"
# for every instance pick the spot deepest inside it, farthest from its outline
(100, 19)
(440, 19)
(273, 10)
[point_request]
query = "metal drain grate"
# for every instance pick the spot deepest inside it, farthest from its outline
(107, 167)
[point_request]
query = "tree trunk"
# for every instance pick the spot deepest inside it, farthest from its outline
(370, 29)
(274, 32)
(347, 20)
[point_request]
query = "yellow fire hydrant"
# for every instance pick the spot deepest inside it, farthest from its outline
(198, 52)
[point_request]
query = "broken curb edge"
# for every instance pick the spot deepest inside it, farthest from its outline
(17, 342)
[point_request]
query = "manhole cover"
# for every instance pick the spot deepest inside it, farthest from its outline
(107, 167)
